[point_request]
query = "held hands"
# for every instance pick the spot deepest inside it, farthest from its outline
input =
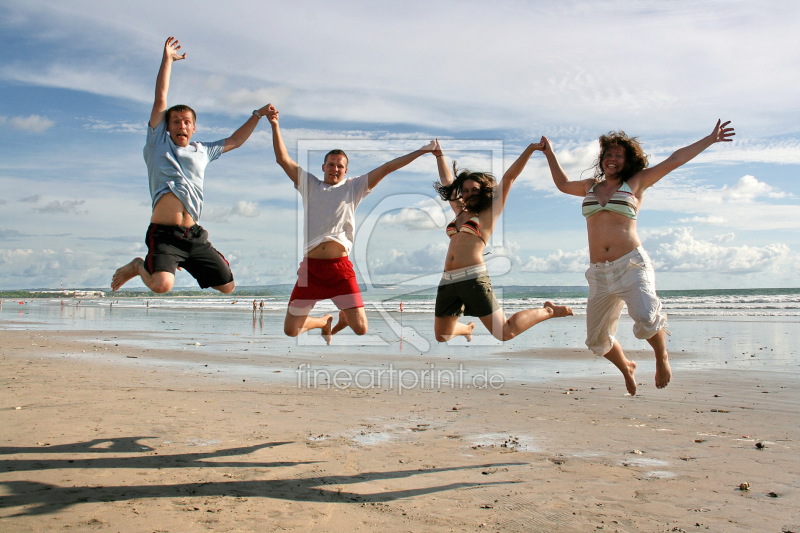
(545, 144)
(437, 149)
(171, 48)
(432, 146)
(271, 112)
(264, 111)
(722, 133)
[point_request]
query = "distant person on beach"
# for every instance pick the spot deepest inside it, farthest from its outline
(330, 205)
(620, 271)
(465, 287)
(176, 168)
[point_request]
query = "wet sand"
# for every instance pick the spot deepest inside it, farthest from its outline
(107, 436)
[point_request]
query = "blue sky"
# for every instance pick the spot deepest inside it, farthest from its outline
(486, 78)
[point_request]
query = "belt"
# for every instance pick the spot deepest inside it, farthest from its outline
(464, 273)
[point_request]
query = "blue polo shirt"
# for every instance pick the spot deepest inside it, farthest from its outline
(172, 168)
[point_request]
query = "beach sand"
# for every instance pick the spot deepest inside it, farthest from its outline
(100, 436)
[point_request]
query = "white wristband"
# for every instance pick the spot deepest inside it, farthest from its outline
(257, 114)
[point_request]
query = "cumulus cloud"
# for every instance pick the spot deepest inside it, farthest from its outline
(29, 124)
(29, 268)
(749, 189)
(423, 261)
(62, 207)
(677, 250)
(242, 208)
(421, 218)
(559, 261)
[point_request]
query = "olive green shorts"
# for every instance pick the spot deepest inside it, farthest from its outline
(472, 297)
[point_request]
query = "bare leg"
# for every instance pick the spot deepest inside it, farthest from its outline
(227, 289)
(294, 325)
(663, 370)
(356, 318)
(448, 327)
(504, 330)
(340, 324)
(158, 282)
(625, 365)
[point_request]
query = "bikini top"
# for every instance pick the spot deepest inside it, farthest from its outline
(622, 202)
(471, 226)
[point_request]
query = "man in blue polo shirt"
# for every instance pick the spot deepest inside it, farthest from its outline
(176, 167)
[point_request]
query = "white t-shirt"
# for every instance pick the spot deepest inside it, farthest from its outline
(330, 210)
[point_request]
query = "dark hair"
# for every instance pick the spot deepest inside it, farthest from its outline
(180, 108)
(635, 158)
(336, 152)
(452, 192)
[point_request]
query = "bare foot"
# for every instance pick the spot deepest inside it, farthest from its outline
(468, 335)
(630, 380)
(559, 310)
(126, 273)
(663, 372)
(326, 329)
(340, 325)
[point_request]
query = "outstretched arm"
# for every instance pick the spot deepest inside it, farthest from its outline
(376, 175)
(516, 168)
(445, 173)
(281, 154)
(239, 136)
(564, 184)
(649, 176)
(170, 55)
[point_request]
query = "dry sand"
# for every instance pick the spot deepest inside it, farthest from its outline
(109, 442)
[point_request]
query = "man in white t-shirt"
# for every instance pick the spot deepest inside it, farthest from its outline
(176, 168)
(330, 205)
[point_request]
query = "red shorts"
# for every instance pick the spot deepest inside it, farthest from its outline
(325, 279)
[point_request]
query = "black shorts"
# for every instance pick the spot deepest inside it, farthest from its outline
(472, 297)
(170, 247)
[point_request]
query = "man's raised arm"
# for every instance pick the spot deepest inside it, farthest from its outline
(239, 136)
(375, 176)
(281, 154)
(170, 55)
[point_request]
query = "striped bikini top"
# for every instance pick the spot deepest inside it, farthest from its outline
(471, 226)
(622, 202)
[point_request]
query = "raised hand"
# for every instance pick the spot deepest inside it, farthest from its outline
(171, 48)
(723, 133)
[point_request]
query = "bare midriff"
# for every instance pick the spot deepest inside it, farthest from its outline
(327, 250)
(611, 236)
(169, 211)
(465, 250)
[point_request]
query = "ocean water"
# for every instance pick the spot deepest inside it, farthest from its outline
(743, 329)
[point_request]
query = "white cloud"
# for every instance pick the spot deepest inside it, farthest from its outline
(558, 261)
(714, 220)
(245, 209)
(62, 207)
(749, 189)
(423, 261)
(242, 208)
(29, 124)
(677, 250)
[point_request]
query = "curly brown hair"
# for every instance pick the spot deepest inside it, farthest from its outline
(452, 192)
(635, 158)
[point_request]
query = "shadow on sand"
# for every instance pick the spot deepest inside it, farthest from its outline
(42, 498)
